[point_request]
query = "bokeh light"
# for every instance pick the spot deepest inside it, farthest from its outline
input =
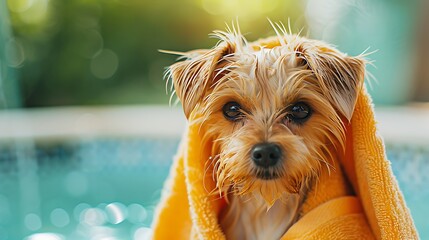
(14, 53)
(78, 209)
(19, 5)
(142, 233)
(93, 217)
(116, 212)
(104, 64)
(45, 236)
(32, 222)
(59, 217)
(136, 213)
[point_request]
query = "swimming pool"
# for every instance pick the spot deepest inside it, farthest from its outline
(82, 190)
(106, 187)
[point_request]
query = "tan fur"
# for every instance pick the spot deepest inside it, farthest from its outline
(266, 80)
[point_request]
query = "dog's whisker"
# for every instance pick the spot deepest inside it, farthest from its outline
(207, 166)
(276, 30)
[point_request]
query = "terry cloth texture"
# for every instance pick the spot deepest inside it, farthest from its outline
(375, 208)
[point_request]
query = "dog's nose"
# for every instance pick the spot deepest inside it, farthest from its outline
(266, 154)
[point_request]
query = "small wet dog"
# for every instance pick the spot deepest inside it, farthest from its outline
(276, 117)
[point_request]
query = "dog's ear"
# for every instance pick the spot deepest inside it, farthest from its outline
(341, 77)
(193, 77)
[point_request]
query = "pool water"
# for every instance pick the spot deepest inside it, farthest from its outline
(108, 188)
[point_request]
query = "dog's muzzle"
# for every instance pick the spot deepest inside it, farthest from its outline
(266, 155)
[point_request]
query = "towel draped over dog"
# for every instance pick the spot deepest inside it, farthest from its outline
(375, 209)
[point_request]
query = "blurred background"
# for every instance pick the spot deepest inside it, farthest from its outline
(86, 133)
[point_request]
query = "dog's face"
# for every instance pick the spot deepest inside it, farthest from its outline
(273, 112)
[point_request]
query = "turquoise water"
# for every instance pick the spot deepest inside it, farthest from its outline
(108, 188)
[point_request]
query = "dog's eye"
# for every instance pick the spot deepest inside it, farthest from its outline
(232, 111)
(299, 112)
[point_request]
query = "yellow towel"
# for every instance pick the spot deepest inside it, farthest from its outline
(374, 207)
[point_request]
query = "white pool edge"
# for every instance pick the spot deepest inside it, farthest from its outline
(408, 124)
(84, 122)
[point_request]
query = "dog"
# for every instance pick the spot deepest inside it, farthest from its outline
(276, 117)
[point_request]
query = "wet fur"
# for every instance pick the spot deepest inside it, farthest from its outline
(266, 79)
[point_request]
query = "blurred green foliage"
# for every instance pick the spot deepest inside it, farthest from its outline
(94, 52)
(80, 52)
